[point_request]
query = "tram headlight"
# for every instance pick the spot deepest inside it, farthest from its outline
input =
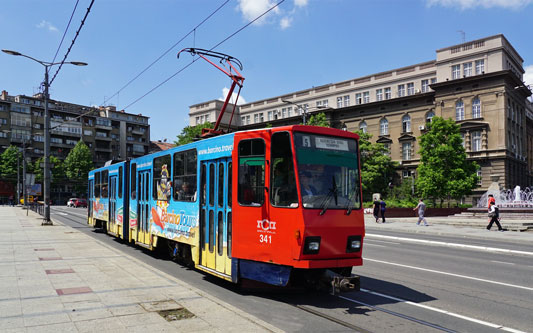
(312, 245)
(353, 244)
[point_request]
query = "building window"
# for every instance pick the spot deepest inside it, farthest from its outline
(433, 80)
(269, 115)
(425, 85)
(248, 120)
(479, 177)
(401, 90)
(476, 108)
(387, 147)
(358, 99)
(410, 88)
(429, 116)
(406, 123)
(323, 103)
(406, 151)
(243, 120)
(283, 112)
(347, 100)
(463, 140)
(379, 94)
(467, 69)
(480, 66)
(476, 140)
(366, 97)
(256, 118)
(3, 121)
(459, 110)
(388, 94)
(289, 111)
(3, 135)
(339, 102)
(384, 127)
(261, 117)
(363, 127)
(406, 173)
(456, 71)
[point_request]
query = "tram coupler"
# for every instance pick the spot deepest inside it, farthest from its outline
(340, 283)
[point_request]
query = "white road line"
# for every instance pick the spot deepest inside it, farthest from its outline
(367, 244)
(464, 246)
(450, 274)
(502, 262)
(386, 242)
(477, 321)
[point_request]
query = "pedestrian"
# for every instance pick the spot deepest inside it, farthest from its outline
(490, 199)
(383, 207)
(494, 215)
(11, 200)
(376, 206)
(421, 210)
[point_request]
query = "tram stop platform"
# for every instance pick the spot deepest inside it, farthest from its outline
(57, 279)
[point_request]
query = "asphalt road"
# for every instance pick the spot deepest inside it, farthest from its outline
(407, 286)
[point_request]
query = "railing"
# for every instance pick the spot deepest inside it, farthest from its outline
(37, 207)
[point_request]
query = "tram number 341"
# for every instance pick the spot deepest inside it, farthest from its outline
(265, 239)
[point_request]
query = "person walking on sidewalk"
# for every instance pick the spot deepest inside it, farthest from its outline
(421, 210)
(494, 215)
(376, 206)
(383, 208)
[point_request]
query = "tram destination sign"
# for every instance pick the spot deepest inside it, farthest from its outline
(331, 143)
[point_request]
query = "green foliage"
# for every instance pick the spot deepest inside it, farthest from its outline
(8, 164)
(190, 133)
(377, 168)
(78, 163)
(404, 191)
(318, 119)
(444, 171)
(58, 171)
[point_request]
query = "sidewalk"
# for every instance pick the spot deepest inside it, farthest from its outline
(57, 279)
(474, 228)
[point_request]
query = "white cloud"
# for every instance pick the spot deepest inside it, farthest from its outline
(46, 25)
(225, 92)
(528, 76)
(285, 22)
(468, 4)
(251, 9)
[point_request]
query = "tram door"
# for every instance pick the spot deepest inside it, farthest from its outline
(90, 198)
(112, 203)
(143, 207)
(214, 212)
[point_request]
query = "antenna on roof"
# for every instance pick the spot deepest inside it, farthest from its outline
(463, 35)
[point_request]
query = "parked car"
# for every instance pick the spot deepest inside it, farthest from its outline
(71, 202)
(80, 203)
(30, 199)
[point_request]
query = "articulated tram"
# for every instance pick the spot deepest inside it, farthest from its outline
(278, 205)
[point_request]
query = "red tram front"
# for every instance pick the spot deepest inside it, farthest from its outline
(299, 211)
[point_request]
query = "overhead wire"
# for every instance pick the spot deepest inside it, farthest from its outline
(66, 29)
(193, 31)
(73, 41)
(211, 49)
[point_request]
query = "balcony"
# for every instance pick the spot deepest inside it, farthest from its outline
(102, 138)
(103, 149)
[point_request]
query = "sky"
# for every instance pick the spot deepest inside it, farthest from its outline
(131, 46)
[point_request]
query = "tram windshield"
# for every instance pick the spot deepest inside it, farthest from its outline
(328, 171)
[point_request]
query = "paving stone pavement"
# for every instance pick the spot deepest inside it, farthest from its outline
(57, 279)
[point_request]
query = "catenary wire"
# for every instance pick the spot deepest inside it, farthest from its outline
(66, 29)
(211, 49)
(167, 51)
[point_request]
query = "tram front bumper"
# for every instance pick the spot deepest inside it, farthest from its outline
(340, 283)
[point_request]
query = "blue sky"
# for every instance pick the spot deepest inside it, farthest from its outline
(300, 44)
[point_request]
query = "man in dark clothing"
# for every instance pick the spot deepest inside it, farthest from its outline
(383, 206)
(376, 207)
(494, 215)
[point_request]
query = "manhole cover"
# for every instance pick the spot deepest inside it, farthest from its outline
(176, 314)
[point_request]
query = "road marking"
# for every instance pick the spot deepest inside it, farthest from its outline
(451, 274)
(502, 262)
(474, 320)
(464, 246)
(387, 242)
(378, 245)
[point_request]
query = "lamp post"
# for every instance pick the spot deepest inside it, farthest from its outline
(46, 171)
(298, 106)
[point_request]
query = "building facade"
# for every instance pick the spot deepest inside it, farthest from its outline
(110, 134)
(479, 84)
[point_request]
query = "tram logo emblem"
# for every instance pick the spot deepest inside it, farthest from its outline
(266, 225)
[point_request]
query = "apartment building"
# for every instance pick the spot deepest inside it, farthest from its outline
(479, 84)
(110, 134)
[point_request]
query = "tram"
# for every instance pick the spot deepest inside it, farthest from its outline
(277, 205)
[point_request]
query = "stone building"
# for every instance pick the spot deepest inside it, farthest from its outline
(479, 84)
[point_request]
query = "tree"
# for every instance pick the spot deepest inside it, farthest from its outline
(444, 171)
(8, 164)
(318, 119)
(377, 167)
(190, 133)
(58, 171)
(78, 164)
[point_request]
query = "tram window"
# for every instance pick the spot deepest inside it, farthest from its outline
(133, 177)
(283, 182)
(211, 184)
(211, 231)
(146, 186)
(251, 172)
(230, 192)
(220, 185)
(229, 235)
(105, 185)
(202, 186)
(185, 176)
(162, 183)
(220, 234)
(97, 184)
(120, 180)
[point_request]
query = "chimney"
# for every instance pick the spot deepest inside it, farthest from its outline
(4, 95)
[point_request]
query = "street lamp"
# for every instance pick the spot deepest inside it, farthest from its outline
(298, 106)
(46, 168)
